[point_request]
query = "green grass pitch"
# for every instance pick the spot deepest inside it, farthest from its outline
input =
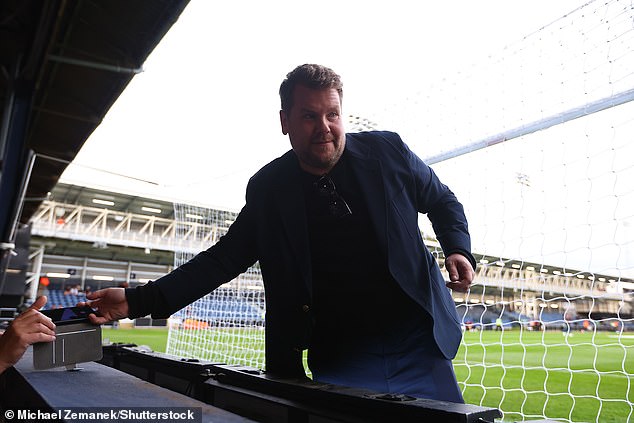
(579, 377)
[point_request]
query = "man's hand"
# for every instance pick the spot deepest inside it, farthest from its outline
(110, 303)
(461, 273)
(28, 328)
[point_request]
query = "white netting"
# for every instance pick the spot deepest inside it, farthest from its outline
(227, 325)
(548, 186)
(555, 223)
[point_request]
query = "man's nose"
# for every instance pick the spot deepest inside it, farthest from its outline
(324, 125)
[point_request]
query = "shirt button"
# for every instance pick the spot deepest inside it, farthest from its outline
(305, 308)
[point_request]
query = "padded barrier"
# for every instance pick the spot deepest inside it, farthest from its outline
(251, 393)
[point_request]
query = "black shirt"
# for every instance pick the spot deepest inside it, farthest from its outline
(354, 296)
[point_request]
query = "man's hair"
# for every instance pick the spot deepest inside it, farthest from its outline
(312, 76)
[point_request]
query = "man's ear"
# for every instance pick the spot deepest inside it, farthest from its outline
(284, 122)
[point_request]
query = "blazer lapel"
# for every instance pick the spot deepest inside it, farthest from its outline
(368, 172)
(289, 198)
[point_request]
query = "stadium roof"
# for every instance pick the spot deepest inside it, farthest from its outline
(64, 63)
(116, 201)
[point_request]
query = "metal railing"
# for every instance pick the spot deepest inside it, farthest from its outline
(93, 224)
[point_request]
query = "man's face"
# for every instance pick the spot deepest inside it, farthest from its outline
(315, 128)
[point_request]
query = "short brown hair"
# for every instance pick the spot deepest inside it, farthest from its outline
(312, 76)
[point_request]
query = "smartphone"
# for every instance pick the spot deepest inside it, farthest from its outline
(78, 340)
(68, 315)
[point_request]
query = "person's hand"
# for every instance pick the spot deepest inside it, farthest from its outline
(461, 273)
(110, 303)
(29, 327)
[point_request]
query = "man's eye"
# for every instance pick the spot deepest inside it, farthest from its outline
(309, 116)
(333, 116)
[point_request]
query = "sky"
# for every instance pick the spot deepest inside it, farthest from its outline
(203, 116)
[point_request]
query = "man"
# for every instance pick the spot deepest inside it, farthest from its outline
(29, 327)
(334, 225)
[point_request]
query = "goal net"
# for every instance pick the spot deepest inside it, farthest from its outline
(538, 145)
(227, 325)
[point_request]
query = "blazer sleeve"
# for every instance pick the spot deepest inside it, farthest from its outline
(441, 206)
(232, 255)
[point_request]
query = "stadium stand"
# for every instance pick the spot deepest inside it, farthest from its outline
(58, 299)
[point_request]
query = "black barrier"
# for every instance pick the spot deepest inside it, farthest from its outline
(185, 376)
(58, 395)
(251, 393)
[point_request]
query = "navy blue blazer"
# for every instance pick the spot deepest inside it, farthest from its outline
(272, 229)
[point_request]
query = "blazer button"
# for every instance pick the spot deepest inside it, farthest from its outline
(305, 308)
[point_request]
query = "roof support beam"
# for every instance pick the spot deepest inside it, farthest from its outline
(94, 65)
